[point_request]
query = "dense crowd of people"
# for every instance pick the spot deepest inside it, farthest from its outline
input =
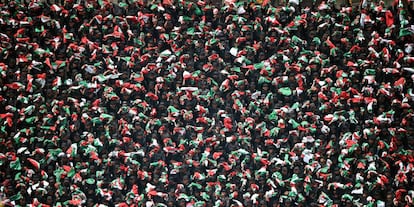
(180, 103)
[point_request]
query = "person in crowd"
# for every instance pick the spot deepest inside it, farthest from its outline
(186, 103)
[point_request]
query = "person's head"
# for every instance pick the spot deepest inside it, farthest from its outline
(348, 203)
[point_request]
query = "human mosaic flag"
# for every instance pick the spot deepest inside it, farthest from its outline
(182, 103)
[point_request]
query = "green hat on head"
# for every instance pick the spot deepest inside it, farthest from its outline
(16, 197)
(405, 32)
(16, 165)
(90, 181)
(286, 91)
